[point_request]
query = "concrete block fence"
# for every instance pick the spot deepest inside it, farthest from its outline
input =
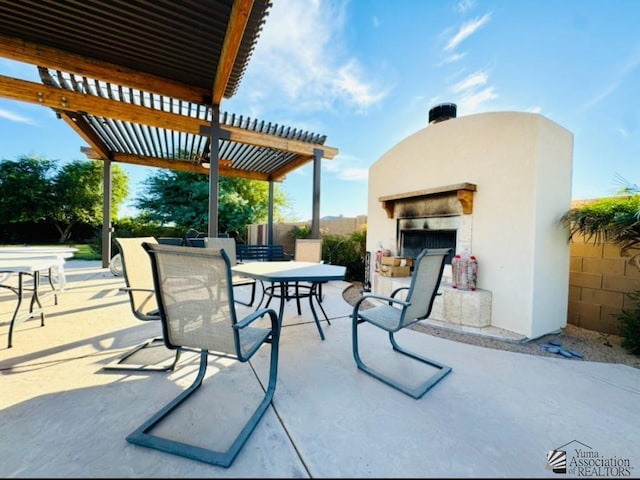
(599, 277)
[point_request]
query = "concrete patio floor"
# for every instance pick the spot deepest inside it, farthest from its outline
(496, 415)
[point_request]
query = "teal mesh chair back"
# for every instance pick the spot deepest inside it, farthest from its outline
(196, 301)
(229, 246)
(308, 250)
(226, 243)
(427, 274)
(138, 277)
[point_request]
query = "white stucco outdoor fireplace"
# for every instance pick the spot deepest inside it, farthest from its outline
(494, 184)
(440, 217)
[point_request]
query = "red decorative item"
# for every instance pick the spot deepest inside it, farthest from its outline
(464, 269)
(378, 259)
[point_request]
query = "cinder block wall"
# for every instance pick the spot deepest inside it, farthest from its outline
(599, 277)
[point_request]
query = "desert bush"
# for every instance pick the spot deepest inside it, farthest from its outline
(630, 324)
(347, 250)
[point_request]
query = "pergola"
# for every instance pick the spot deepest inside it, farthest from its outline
(141, 81)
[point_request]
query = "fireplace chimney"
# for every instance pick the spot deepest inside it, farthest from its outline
(442, 112)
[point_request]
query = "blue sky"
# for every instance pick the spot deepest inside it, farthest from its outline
(366, 72)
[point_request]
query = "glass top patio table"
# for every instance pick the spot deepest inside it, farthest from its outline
(286, 272)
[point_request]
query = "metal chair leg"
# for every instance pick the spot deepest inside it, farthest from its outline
(165, 367)
(253, 296)
(416, 392)
(142, 437)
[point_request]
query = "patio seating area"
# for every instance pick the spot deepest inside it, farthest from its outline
(497, 414)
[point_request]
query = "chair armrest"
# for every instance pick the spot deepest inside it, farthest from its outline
(393, 294)
(391, 301)
(252, 317)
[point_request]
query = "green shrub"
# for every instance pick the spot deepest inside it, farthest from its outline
(86, 252)
(346, 250)
(300, 231)
(630, 324)
(610, 219)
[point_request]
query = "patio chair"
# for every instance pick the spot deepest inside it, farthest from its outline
(138, 278)
(195, 296)
(306, 250)
(171, 240)
(195, 242)
(229, 245)
(398, 314)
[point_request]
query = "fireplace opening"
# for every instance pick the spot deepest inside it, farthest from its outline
(413, 241)
(415, 234)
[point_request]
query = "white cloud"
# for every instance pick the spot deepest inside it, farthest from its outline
(473, 92)
(630, 65)
(472, 81)
(472, 103)
(300, 56)
(465, 5)
(608, 90)
(343, 168)
(355, 174)
(376, 22)
(466, 30)
(14, 117)
(623, 132)
(348, 80)
(452, 58)
(536, 109)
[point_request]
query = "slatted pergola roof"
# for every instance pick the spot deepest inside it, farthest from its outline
(137, 80)
(170, 133)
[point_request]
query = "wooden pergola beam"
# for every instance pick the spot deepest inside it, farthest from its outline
(291, 166)
(80, 126)
(70, 101)
(235, 31)
(35, 54)
(260, 139)
(175, 164)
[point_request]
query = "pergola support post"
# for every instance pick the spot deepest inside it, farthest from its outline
(214, 172)
(315, 218)
(106, 212)
(270, 214)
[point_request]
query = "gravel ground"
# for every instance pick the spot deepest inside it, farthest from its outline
(594, 346)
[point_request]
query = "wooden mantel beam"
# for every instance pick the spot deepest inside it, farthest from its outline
(463, 193)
